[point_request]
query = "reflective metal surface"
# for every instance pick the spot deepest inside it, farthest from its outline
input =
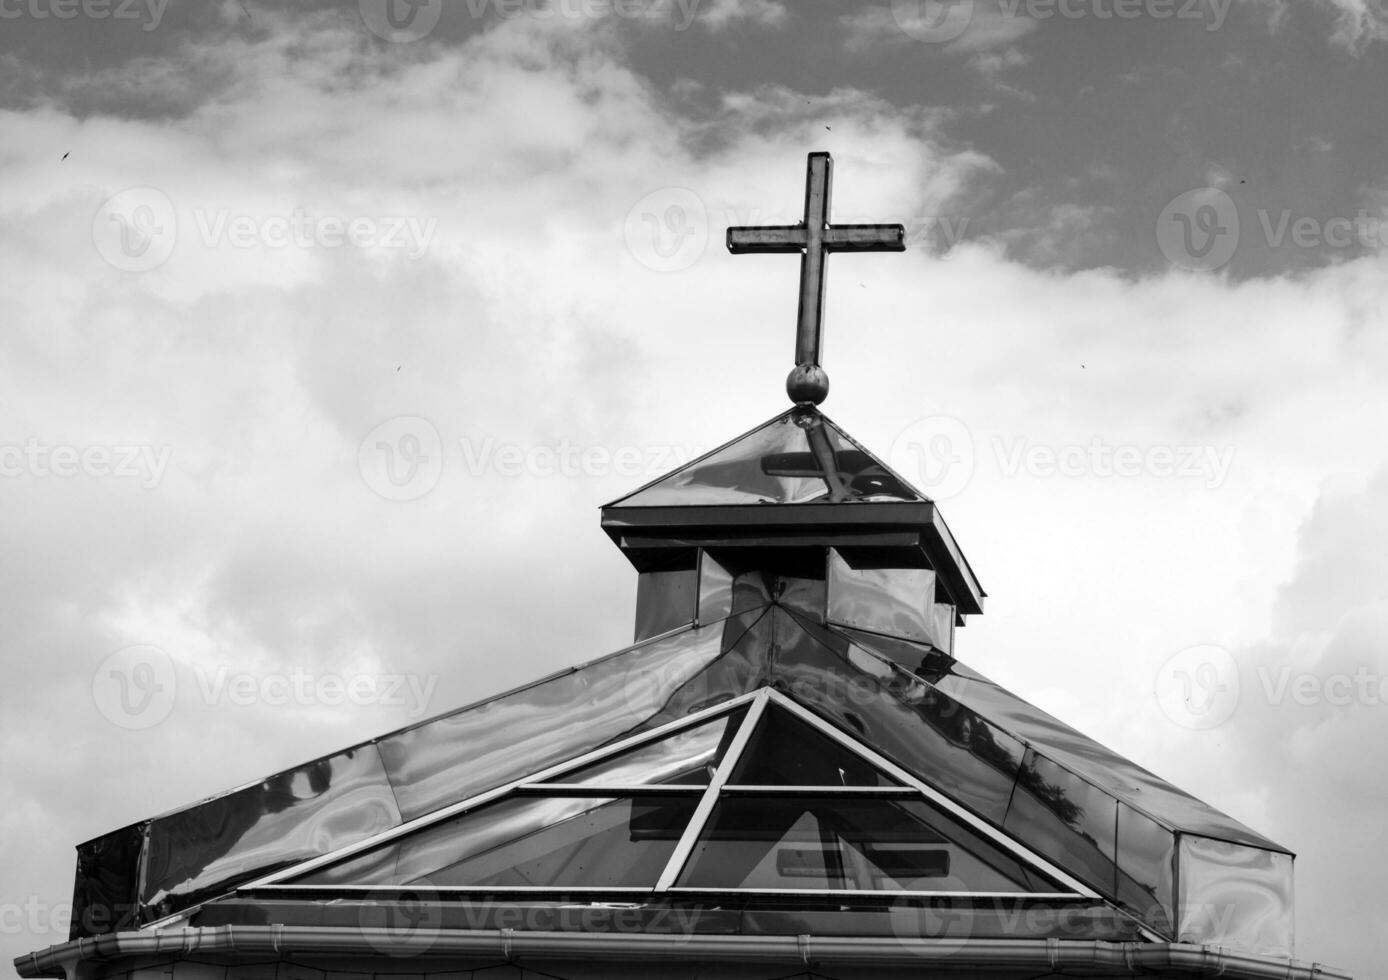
(715, 589)
(290, 817)
(106, 896)
(781, 462)
(1147, 870)
(529, 841)
(1066, 819)
(1235, 896)
(1098, 764)
(725, 914)
(838, 842)
(665, 601)
(684, 757)
(477, 748)
(900, 715)
(1092, 813)
(895, 601)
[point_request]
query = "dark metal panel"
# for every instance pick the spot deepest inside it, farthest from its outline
(1061, 816)
(665, 600)
(1147, 870)
(106, 894)
(964, 920)
(292, 816)
(715, 589)
(899, 715)
(523, 841)
(483, 746)
(896, 601)
(1119, 776)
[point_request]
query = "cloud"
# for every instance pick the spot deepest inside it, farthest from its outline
(955, 26)
(1312, 693)
(1356, 24)
(721, 14)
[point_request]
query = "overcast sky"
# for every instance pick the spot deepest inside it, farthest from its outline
(322, 340)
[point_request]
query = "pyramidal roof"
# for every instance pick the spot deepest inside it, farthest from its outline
(789, 754)
(798, 457)
(764, 749)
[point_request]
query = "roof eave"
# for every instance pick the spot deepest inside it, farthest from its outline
(71, 960)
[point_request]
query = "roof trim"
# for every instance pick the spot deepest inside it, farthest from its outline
(65, 960)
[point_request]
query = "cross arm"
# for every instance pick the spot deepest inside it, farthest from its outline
(865, 238)
(744, 240)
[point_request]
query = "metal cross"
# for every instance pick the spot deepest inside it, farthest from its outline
(814, 238)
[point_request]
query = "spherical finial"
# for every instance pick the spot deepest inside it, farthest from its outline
(807, 384)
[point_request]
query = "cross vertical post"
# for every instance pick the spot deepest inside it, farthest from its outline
(814, 238)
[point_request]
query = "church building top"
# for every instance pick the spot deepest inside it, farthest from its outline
(789, 753)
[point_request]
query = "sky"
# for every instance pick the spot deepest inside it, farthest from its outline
(327, 328)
